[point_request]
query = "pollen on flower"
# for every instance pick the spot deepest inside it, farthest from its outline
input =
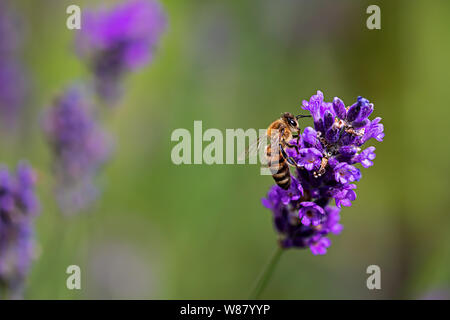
(326, 156)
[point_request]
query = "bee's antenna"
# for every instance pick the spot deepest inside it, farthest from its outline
(302, 116)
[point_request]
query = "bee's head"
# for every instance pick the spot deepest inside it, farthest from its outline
(290, 120)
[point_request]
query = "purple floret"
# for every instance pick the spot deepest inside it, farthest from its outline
(309, 158)
(310, 213)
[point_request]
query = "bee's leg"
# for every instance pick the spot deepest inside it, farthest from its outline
(290, 145)
(293, 146)
(323, 165)
(290, 160)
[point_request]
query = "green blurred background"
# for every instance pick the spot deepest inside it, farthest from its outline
(162, 231)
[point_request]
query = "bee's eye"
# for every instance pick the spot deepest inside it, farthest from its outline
(292, 123)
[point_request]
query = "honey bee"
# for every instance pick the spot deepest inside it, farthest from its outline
(280, 132)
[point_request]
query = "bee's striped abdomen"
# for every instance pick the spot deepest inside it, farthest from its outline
(279, 168)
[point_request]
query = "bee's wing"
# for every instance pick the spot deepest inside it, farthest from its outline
(275, 139)
(253, 148)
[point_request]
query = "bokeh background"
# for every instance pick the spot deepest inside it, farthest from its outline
(161, 231)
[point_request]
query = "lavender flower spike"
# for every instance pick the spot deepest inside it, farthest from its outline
(18, 207)
(326, 158)
(114, 41)
(80, 147)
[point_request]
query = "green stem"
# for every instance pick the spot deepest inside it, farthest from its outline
(266, 274)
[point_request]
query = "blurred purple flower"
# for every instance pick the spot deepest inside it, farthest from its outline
(120, 39)
(325, 171)
(12, 89)
(13, 85)
(10, 30)
(18, 207)
(80, 147)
